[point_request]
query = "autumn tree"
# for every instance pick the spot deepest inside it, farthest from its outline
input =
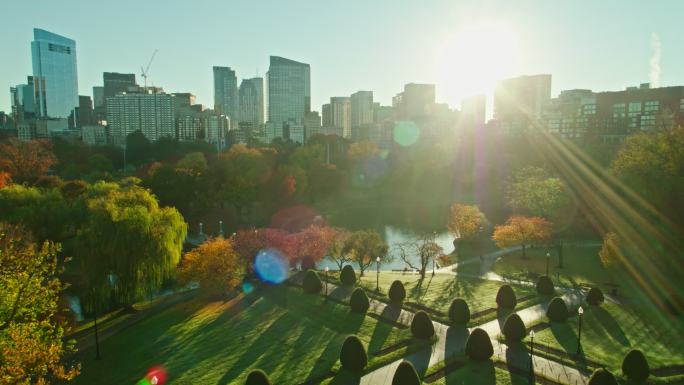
(610, 253)
(247, 243)
(364, 246)
(312, 243)
(215, 265)
(128, 245)
(5, 179)
(425, 248)
(465, 221)
(32, 345)
(26, 161)
(533, 191)
(362, 150)
(336, 250)
(521, 231)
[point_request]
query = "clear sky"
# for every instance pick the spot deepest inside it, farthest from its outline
(462, 46)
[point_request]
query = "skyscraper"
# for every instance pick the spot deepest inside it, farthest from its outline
(115, 82)
(226, 92)
(340, 113)
(415, 102)
(522, 98)
(151, 112)
(251, 97)
(289, 90)
(361, 108)
(54, 73)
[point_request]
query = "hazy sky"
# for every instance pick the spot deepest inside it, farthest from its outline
(463, 46)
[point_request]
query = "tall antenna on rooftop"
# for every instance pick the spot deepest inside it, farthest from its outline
(146, 70)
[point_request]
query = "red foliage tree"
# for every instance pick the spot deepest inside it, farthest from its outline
(26, 161)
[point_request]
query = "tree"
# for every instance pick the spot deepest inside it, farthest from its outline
(531, 190)
(610, 253)
(514, 328)
(459, 312)
(312, 283)
(5, 179)
(365, 246)
(397, 293)
(465, 221)
(425, 248)
(26, 161)
(31, 335)
(557, 310)
(521, 231)
(336, 250)
(595, 296)
(479, 346)
(257, 377)
(359, 151)
(545, 285)
(348, 276)
(128, 245)
(247, 243)
(505, 297)
(138, 148)
(353, 354)
(195, 162)
(602, 377)
(311, 244)
(421, 325)
(635, 366)
(358, 302)
(405, 374)
(214, 265)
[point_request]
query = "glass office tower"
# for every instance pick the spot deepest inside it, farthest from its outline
(289, 90)
(54, 74)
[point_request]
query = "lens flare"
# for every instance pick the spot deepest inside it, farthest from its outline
(155, 376)
(406, 133)
(271, 266)
(247, 287)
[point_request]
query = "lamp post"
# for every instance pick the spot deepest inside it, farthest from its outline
(548, 259)
(221, 228)
(377, 277)
(531, 355)
(201, 225)
(326, 283)
(580, 311)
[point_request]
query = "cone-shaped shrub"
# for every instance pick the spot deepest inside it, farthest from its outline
(635, 366)
(545, 285)
(421, 325)
(459, 312)
(359, 301)
(558, 310)
(348, 276)
(405, 375)
(602, 377)
(397, 293)
(595, 296)
(478, 346)
(353, 355)
(514, 328)
(505, 297)
(312, 284)
(257, 377)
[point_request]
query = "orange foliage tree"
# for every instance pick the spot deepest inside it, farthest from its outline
(465, 221)
(215, 265)
(520, 231)
(26, 161)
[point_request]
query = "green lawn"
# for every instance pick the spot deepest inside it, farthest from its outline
(437, 292)
(481, 373)
(292, 336)
(610, 331)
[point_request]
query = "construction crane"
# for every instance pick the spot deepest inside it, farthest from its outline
(146, 70)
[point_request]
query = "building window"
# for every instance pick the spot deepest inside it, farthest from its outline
(633, 122)
(589, 109)
(681, 105)
(648, 122)
(651, 106)
(634, 109)
(619, 110)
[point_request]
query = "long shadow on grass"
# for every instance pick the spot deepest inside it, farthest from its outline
(480, 373)
(517, 356)
(610, 325)
(342, 293)
(421, 360)
(501, 314)
(456, 338)
(344, 377)
(383, 329)
(565, 336)
(326, 360)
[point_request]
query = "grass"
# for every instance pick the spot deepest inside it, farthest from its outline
(438, 291)
(484, 373)
(292, 336)
(611, 330)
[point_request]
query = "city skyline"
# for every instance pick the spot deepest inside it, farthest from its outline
(642, 48)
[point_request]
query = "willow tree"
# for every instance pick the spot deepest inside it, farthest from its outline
(128, 246)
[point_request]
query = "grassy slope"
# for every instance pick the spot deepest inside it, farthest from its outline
(484, 373)
(204, 343)
(610, 331)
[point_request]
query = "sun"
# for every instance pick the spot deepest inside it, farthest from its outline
(471, 60)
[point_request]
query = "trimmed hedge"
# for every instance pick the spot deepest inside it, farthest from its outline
(459, 312)
(421, 326)
(257, 377)
(348, 276)
(353, 355)
(397, 293)
(635, 366)
(545, 285)
(479, 346)
(514, 328)
(558, 310)
(359, 301)
(405, 375)
(602, 377)
(312, 284)
(505, 297)
(595, 296)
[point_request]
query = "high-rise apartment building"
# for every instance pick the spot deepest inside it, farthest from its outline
(226, 92)
(148, 110)
(251, 101)
(54, 74)
(361, 108)
(289, 91)
(326, 115)
(340, 113)
(521, 100)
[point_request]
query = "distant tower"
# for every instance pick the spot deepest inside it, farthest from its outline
(289, 91)
(226, 92)
(251, 97)
(54, 74)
